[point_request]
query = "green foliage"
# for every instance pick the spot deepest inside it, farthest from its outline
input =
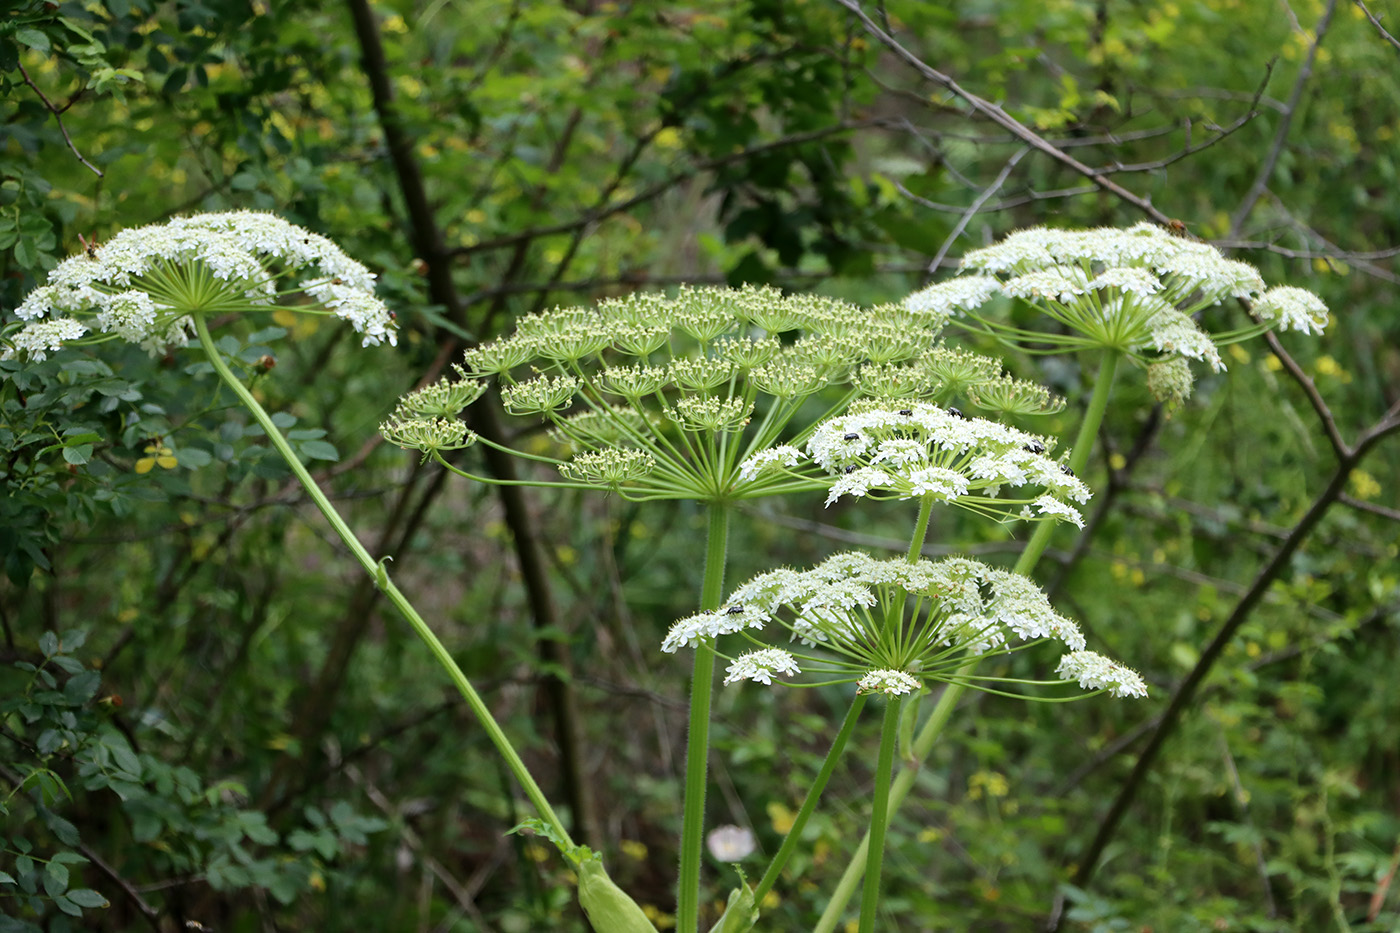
(572, 151)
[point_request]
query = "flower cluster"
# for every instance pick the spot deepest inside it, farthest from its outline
(923, 450)
(1135, 291)
(700, 380)
(142, 285)
(891, 625)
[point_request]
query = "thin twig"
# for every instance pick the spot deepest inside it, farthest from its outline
(974, 207)
(58, 118)
(1266, 171)
(602, 212)
(1340, 255)
(1373, 508)
(1003, 119)
(1377, 23)
(1220, 133)
(1324, 413)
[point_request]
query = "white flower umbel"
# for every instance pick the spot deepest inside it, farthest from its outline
(1134, 291)
(922, 450)
(901, 623)
(142, 285)
(892, 683)
(760, 666)
(1294, 309)
(1096, 672)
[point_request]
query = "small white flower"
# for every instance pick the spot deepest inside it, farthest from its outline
(766, 460)
(760, 666)
(894, 683)
(1049, 505)
(39, 337)
(1294, 309)
(962, 293)
(730, 843)
(1096, 672)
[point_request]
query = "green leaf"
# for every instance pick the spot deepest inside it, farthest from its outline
(33, 38)
(82, 687)
(48, 644)
(68, 907)
(66, 832)
(55, 879)
(7, 878)
(78, 455)
(87, 897)
(319, 450)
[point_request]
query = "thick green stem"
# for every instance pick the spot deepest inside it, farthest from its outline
(381, 576)
(794, 835)
(916, 541)
(697, 750)
(1078, 458)
(879, 817)
(943, 709)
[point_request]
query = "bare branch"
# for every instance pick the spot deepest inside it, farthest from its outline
(1341, 255)
(1375, 509)
(1005, 205)
(1324, 414)
(1003, 119)
(1375, 21)
(974, 207)
(58, 118)
(1220, 133)
(1266, 171)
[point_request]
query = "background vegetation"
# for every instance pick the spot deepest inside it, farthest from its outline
(206, 719)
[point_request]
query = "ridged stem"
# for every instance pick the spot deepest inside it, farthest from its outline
(697, 750)
(391, 592)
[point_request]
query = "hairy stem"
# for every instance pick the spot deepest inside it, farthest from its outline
(879, 817)
(379, 574)
(697, 751)
(794, 835)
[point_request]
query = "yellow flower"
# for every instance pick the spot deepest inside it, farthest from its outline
(157, 455)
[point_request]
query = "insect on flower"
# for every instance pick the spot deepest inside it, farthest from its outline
(89, 248)
(956, 413)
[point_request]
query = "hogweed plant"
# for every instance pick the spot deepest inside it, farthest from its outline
(655, 398)
(702, 396)
(720, 396)
(1136, 295)
(159, 286)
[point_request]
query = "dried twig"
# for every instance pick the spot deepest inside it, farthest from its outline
(1007, 122)
(58, 118)
(1375, 21)
(974, 208)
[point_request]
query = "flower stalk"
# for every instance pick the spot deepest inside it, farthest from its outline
(697, 749)
(377, 571)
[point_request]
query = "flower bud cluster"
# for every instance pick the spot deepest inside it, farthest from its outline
(142, 284)
(674, 375)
